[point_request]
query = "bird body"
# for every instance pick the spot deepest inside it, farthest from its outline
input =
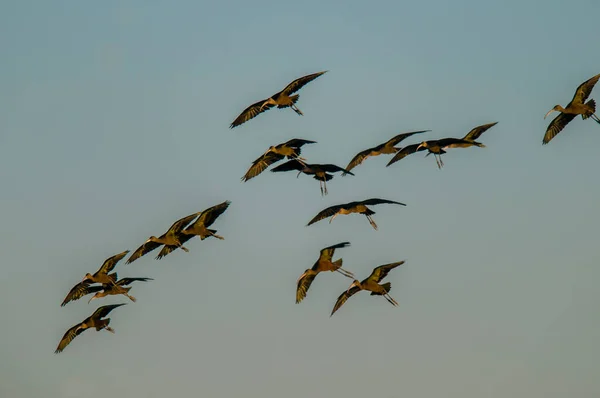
(319, 172)
(102, 275)
(282, 99)
(577, 106)
(352, 207)
(324, 263)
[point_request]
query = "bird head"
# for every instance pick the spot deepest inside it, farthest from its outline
(87, 276)
(423, 144)
(556, 108)
(355, 283)
(151, 239)
(95, 296)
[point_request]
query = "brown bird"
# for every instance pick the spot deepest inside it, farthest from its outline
(282, 99)
(102, 276)
(169, 238)
(352, 207)
(437, 147)
(93, 321)
(324, 263)
(577, 106)
(387, 147)
(198, 228)
(319, 171)
(371, 284)
(84, 288)
(291, 149)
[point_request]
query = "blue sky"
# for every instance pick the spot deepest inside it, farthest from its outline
(114, 123)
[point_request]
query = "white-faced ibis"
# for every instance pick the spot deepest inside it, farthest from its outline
(118, 288)
(352, 207)
(169, 238)
(93, 321)
(387, 147)
(577, 106)
(323, 264)
(282, 99)
(102, 275)
(319, 172)
(291, 149)
(198, 228)
(372, 284)
(437, 147)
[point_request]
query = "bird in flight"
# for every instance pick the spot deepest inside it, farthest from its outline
(318, 171)
(274, 154)
(352, 207)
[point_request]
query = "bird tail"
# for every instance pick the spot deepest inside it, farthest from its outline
(592, 104)
(338, 263)
(387, 286)
(294, 98)
(113, 277)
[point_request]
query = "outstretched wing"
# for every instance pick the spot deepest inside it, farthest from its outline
(142, 250)
(343, 298)
(300, 82)
(111, 262)
(457, 143)
(477, 131)
(128, 281)
(182, 223)
(404, 152)
(251, 112)
(381, 272)
(304, 283)
(332, 168)
(376, 201)
(103, 311)
(260, 164)
(297, 143)
(328, 212)
(166, 249)
(556, 126)
(79, 290)
(290, 165)
(400, 137)
(584, 90)
(359, 158)
(327, 253)
(208, 216)
(69, 335)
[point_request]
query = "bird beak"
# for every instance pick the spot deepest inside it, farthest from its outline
(549, 112)
(90, 300)
(420, 145)
(351, 286)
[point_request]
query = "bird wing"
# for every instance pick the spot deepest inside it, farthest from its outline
(110, 263)
(128, 281)
(359, 158)
(404, 152)
(477, 131)
(400, 137)
(182, 223)
(584, 90)
(142, 250)
(343, 298)
(455, 143)
(103, 311)
(300, 82)
(289, 166)
(166, 249)
(327, 253)
(304, 283)
(332, 168)
(260, 164)
(69, 335)
(556, 126)
(381, 272)
(251, 112)
(297, 143)
(208, 216)
(376, 201)
(328, 212)
(79, 290)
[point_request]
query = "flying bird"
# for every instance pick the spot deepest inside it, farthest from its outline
(372, 284)
(318, 171)
(291, 149)
(437, 147)
(387, 147)
(84, 288)
(169, 238)
(198, 228)
(93, 321)
(324, 263)
(577, 106)
(282, 99)
(102, 275)
(352, 207)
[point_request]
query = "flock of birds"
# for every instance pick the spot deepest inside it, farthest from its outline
(104, 282)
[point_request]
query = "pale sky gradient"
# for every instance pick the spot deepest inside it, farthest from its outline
(114, 123)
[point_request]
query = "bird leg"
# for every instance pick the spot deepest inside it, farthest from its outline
(325, 185)
(345, 273)
(390, 299)
(109, 329)
(130, 297)
(296, 109)
(185, 249)
(321, 186)
(595, 118)
(298, 175)
(372, 222)
(216, 236)
(334, 216)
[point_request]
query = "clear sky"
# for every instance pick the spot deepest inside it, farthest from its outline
(114, 123)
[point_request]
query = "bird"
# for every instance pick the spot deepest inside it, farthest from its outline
(169, 238)
(198, 228)
(84, 288)
(282, 99)
(387, 147)
(319, 171)
(352, 207)
(93, 321)
(102, 275)
(437, 147)
(372, 284)
(577, 106)
(290, 148)
(323, 263)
